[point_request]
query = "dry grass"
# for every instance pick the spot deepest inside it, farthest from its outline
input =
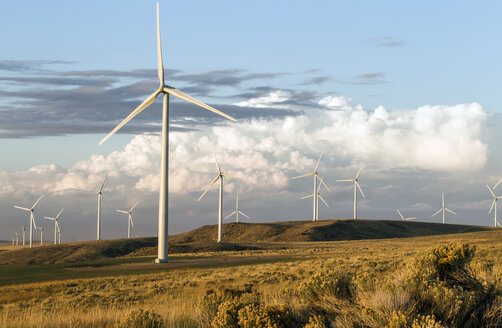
(177, 295)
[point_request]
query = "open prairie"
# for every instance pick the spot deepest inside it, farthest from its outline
(338, 283)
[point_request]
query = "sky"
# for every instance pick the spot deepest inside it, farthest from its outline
(408, 88)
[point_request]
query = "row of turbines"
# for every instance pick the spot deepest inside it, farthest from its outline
(166, 91)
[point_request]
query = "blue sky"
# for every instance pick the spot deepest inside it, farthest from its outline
(87, 64)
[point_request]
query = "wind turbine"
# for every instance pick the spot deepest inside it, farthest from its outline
(315, 206)
(443, 209)
(17, 238)
(356, 186)
(494, 203)
(32, 218)
(165, 90)
(237, 211)
(24, 232)
(220, 210)
(99, 193)
(129, 222)
(59, 232)
(318, 194)
(56, 224)
(41, 228)
(402, 216)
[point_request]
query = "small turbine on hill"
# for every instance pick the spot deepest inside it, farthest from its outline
(165, 90)
(32, 218)
(220, 209)
(237, 211)
(443, 209)
(402, 216)
(17, 238)
(99, 193)
(494, 204)
(56, 224)
(41, 228)
(356, 187)
(129, 221)
(318, 195)
(24, 232)
(315, 194)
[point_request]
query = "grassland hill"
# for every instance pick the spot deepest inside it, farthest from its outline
(236, 236)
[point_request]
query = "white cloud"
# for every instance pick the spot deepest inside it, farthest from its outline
(273, 99)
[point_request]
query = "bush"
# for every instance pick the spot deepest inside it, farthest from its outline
(228, 314)
(328, 284)
(316, 321)
(141, 319)
(255, 316)
(401, 320)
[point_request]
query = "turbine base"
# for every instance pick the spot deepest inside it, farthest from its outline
(160, 260)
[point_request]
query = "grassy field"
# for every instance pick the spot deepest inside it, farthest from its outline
(365, 283)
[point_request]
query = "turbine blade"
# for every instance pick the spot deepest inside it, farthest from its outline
(495, 186)
(244, 214)
(322, 199)
(318, 161)
(447, 209)
(37, 202)
(348, 180)
(322, 181)
(305, 197)
(226, 217)
(442, 197)
(359, 187)
(439, 211)
(159, 51)
(302, 176)
(48, 218)
(491, 191)
(401, 215)
(215, 160)
(22, 208)
(122, 211)
(413, 218)
(181, 95)
(132, 223)
(133, 207)
(104, 181)
(494, 203)
(147, 102)
(57, 216)
(359, 172)
(207, 189)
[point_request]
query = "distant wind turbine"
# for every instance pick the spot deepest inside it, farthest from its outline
(56, 224)
(165, 90)
(99, 193)
(24, 232)
(220, 209)
(443, 209)
(402, 216)
(32, 218)
(356, 186)
(129, 221)
(318, 195)
(17, 238)
(237, 211)
(41, 228)
(317, 177)
(494, 204)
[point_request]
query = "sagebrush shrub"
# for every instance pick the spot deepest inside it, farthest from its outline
(316, 321)
(328, 283)
(141, 319)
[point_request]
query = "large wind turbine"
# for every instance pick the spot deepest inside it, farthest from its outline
(99, 193)
(237, 211)
(32, 218)
(356, 186)
(494, 204)
(56, 224)
(315, 206)
(165, 90)
(443, 209)
(220, 210)
(318, 195)
(402, 216)
(129, 221)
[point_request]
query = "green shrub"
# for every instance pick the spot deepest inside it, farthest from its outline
(316, 321)
(256, 316)
(328, 284)
(141, 319)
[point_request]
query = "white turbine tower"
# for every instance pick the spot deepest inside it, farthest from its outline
(129, 221)
(56, 224)
(318, 195)
(220, 209)
(494, 204)
(24, 232)
(443, 209)
(356, 186)
(41, 228)
(17, 238)
(99, 193)
(32, 218)
(402, 216)
(315, 193)
(165, 90)
(237, 211)
(60, 226)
